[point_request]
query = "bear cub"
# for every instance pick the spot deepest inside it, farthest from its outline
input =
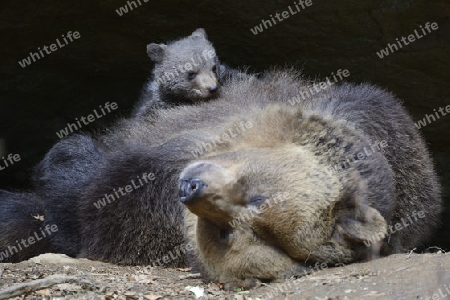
(186, 71)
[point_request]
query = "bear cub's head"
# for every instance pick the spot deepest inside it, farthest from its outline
(186, 68)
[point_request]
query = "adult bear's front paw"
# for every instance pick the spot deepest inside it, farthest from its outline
(234, 284)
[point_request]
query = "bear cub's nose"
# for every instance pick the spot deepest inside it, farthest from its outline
(191, 189)
(213, 89)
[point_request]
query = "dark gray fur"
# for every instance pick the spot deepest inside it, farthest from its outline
(163, 91)
(21, 217)
(146, 224)
(163, 144)
(59, 179)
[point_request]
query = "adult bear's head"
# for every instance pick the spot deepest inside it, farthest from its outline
(264, 210)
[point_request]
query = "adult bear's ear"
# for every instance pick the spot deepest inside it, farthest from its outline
(201, 33)
(156, 51)
(366, 225)
(357, 234)
(358, 222)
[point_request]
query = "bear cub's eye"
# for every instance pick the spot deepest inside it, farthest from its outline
(191, 74)
(257, 200)
(214, 68)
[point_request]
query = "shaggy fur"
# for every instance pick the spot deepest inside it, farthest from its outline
(328, 214)
(59, 179)
(22, 216)
(324, 213)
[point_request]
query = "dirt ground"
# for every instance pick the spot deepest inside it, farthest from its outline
(400, 276)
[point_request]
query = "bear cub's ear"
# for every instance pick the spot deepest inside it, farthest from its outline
(156, 51)
(200, 32)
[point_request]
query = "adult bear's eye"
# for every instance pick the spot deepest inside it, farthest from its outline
(191, 74)
(257, 200)
(226, 236)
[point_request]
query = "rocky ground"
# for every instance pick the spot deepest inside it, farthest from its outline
(52, 276)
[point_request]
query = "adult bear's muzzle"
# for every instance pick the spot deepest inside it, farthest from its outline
(191, 189)
(209, 189)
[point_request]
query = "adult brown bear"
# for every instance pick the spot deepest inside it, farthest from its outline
(348, 163)
(269, 186)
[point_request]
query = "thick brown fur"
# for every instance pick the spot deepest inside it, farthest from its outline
(326, 214)
(256, 151)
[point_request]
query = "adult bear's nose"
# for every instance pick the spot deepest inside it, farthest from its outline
(191, 189)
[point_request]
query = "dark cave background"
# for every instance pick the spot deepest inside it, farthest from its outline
(109, 61)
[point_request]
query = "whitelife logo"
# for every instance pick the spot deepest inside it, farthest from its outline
(107, 108)
(34, 56)
(391, 48)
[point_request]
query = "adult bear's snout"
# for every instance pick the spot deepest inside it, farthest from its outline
(191, 189)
